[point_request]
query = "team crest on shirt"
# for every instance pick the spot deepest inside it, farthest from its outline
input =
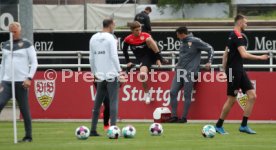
(20, 44)
(142, 38)
(44, 92)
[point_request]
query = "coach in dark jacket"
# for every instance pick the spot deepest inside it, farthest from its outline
(144, 19)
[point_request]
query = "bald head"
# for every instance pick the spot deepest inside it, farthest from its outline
(15, 29)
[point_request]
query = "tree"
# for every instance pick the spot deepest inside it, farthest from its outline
(179, 4)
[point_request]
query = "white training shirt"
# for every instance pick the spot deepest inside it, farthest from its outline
(24, 60)
(103, 56)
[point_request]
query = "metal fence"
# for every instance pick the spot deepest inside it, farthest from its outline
(172, 56)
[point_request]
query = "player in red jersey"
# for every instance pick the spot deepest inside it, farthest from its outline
(146, 52)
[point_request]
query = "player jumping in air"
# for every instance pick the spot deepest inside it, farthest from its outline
(146, 52)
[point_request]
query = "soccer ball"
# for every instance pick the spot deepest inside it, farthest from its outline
(156, 129)
(128, 131)
(208, 131)
(82, 133)
(113, 132)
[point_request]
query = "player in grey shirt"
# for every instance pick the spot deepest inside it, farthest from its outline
(187, 68)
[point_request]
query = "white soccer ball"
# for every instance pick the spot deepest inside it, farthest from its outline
(82, 133)
(156, 129)
(128, 131)
(113, 132)
(208, 131)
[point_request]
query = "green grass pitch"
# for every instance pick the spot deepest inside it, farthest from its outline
(60, 136)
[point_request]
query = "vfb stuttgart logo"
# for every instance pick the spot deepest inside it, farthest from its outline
(45, 91)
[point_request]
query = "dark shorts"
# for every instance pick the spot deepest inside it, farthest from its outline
(148, 60)
(240, 80)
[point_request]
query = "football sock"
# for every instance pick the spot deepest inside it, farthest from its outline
(244, 121)
(106, 120)
(219, 123)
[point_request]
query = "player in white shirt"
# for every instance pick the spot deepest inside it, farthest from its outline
(24, 55)
(105, 66)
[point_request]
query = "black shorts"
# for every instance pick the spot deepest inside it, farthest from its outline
(148, 60)
(240, 80)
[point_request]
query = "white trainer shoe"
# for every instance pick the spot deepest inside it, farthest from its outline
(147, 98)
